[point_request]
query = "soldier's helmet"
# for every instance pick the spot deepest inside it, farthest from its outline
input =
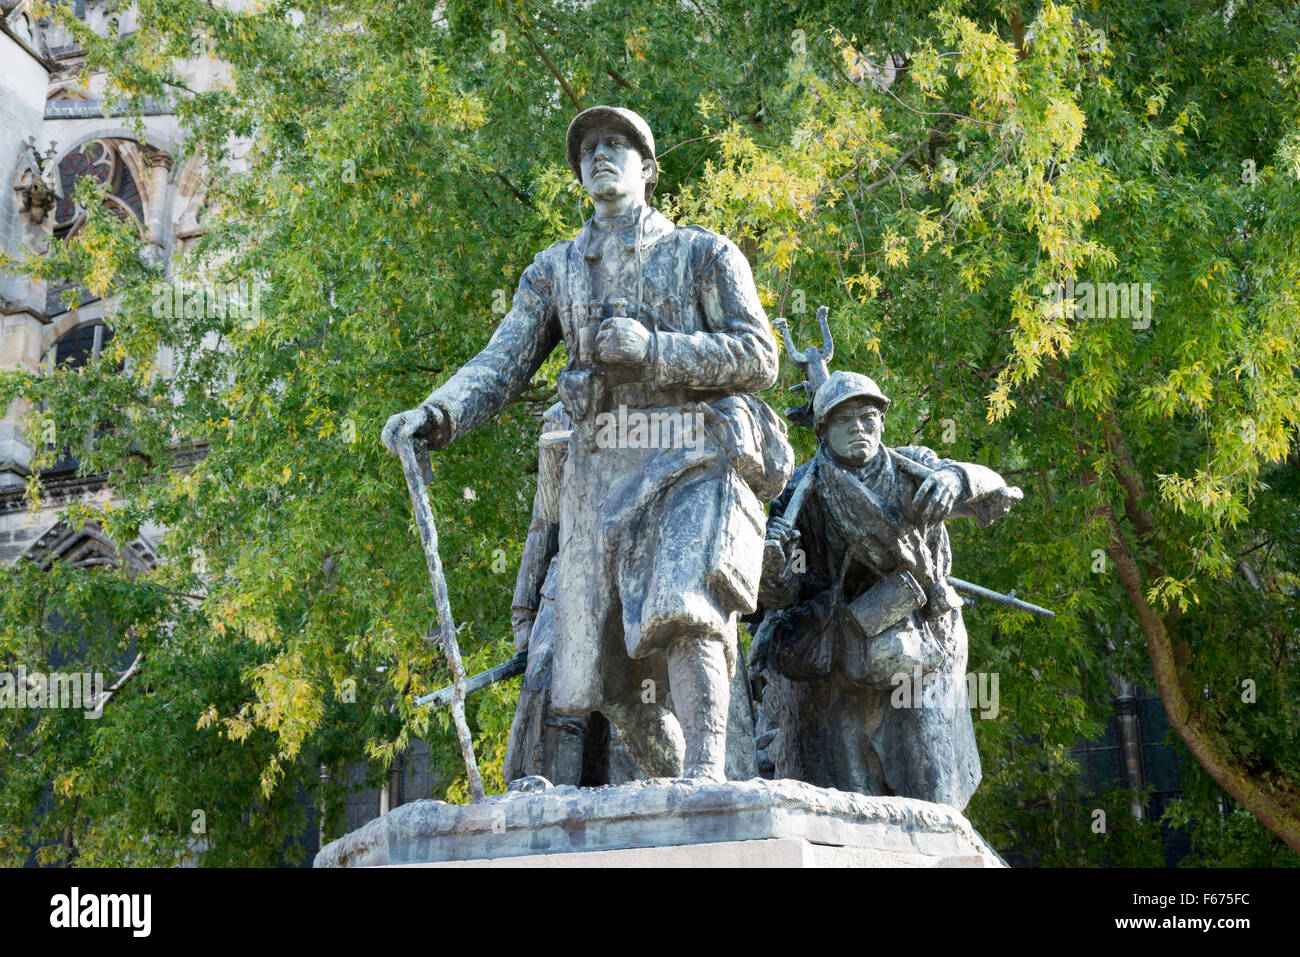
(625, 121)
(842, 386)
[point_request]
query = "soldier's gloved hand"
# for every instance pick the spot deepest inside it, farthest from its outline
(934, 500)
(781, 532)
(430, 422)
(778, 549)
(623, 340)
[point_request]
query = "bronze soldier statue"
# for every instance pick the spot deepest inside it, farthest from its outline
(659, 543)
(858, 605)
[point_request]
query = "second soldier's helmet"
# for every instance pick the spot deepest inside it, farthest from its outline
(842, 386)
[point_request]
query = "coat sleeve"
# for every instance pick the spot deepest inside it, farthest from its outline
(486, 384)
(977, 480)
(737, 352)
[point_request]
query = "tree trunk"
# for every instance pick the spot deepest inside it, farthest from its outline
(1171, 655)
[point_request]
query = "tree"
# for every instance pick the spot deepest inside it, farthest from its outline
(947, 182)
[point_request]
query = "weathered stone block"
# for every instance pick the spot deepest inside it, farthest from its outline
(666, 813)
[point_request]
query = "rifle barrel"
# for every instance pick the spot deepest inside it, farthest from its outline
(979, 591)
(442, 697)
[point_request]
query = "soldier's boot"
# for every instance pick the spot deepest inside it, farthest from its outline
(651, 734)
(565, 737)
(699, 680)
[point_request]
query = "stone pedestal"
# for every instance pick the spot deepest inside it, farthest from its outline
(668, 823)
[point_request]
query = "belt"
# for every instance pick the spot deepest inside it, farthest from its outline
(639, 395)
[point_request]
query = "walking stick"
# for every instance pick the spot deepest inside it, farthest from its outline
(414, 455)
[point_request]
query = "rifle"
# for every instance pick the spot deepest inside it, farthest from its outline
(503, 672)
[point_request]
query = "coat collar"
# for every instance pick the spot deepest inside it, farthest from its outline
(654, 226)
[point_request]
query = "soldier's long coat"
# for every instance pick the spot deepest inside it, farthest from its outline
(654, 542)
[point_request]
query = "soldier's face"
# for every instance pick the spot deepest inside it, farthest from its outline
(612, 166)
(853, 431)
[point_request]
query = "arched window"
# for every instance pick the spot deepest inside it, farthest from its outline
(78, 346)
(102, 160)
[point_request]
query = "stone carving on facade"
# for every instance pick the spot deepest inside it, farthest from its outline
(22, 24)
(672, 454)
(37, 183)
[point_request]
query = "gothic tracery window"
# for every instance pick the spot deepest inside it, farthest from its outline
(105, 160)
(102, 160)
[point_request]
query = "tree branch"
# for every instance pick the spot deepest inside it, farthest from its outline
(550, 65)
(1169, 652)
(1144, 522)
(618, 78)
(511, 186)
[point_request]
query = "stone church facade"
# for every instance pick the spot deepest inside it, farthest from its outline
(53, 131)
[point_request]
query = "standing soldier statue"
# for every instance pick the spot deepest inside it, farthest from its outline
(660, 543)
(858, 602)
